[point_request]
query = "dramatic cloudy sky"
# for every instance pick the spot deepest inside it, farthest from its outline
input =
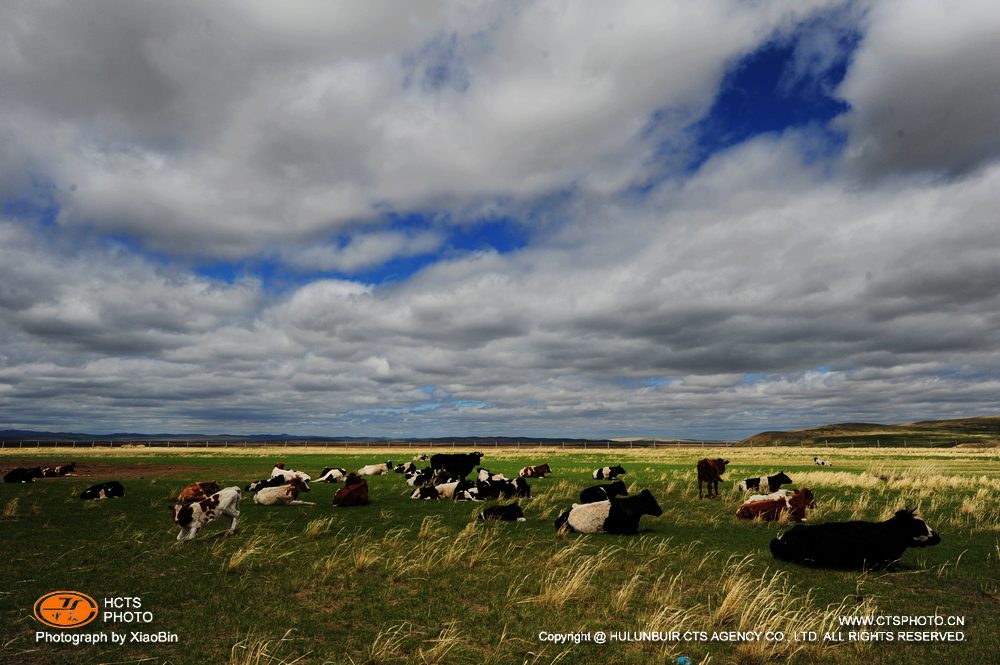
(550, 218)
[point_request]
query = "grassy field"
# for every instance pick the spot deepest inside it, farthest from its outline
(403, 581)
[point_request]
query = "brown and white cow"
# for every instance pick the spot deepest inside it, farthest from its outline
(191, 518)
(353, 493)
(285, 495)
(710, 471)
(198, 491)
(770, 511)
(535, 471)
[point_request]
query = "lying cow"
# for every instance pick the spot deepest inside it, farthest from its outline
(603, 492)
(59, 471)
(486, 474)
(534, 471)
(375, 469)
(332, 475)
(503, 489)
(608, 472)
(508, 513)
(764, 484)
(108, 490)
(20, 475)
(770, 511)
(198, 491)
(428, 493)
(192, 517)
(405, 468)
(854, 545)
(353, 493)
(287, 495)
(777, 494)
(455, 465)
(619, 515)
(821, 462)
(258, 485)
(279, 470)
(459, 490)
(418, 478)
(710, 472)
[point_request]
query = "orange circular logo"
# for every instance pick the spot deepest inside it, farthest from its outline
(66, 609)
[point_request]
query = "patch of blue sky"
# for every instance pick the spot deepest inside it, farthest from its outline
(753, 377)
(637, 382)
(426, 407)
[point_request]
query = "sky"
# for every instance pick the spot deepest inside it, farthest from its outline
(550, 218)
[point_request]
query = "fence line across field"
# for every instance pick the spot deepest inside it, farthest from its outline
(236, 443)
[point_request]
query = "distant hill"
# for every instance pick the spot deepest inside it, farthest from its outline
(982, 430)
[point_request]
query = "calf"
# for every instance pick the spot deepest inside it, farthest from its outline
(853, 545)
(535, 471)
(456, 465)
(192, 517)
(375, 469)
(619, 515)
(20, 475)
(603, 492)
(821, 462)
(110, 489)
(770, 511)
(287, 495)
(59, 471)
(332, 475)
(508, 513)
(198, 491)
(353, 493)
(608, 472)
(764, 483)
(710, 472)
(258, 485)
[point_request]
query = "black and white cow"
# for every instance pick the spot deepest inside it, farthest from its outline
(405, 468)
(854, 545)
(486, 474)
(821, 462)
(258, 485)
(608, 472)
(418, 478)
(108, 490)
(619, 515)
(764, 484)
(603, 492)
(331, 474)
(456, 465)
(507, 513)
(427, 493)
(20, 475)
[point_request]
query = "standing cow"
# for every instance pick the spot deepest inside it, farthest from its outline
(710, 471)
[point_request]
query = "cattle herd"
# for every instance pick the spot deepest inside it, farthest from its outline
(605, 508)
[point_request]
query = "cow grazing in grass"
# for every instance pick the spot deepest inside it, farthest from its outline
(534, 471)
(619, 515)
(405, 468)
(375, 469)
(20, 475)
(508, 513)
(59, 471)
(603, 492)
(764, 484)
(429, 493)
(286, 495)
(821, 462)
(192, 517)
(109, 490)
(854, 545)
(279, 471)
(455, 465)
(258, 485)
(770, 511)
(198, 491)
(776, 494)
(331, 474)
(353, 493)
(608, 472)
(710, 472)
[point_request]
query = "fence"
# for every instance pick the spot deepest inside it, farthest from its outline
(236, 443)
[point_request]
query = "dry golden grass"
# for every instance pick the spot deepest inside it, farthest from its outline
(256, 650)
(386, 647)
(10, 509)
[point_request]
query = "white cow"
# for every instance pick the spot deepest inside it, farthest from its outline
(286, 495)
(375, 469)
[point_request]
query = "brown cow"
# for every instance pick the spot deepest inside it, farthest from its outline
(710, 471)
(198, 491)
(535, 471)
(354, 492)
(770, 511)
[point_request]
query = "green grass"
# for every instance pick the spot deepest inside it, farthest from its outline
(403, 581)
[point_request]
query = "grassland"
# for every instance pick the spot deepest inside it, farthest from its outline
(983, 431)
(403, 581)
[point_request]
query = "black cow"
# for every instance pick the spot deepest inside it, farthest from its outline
(258, 485)
(608, 472)
(619, 515)
(107, 490)
(509, 513)
(854, 545)
(603, 492)
(455, 465)
(20, 475)
(764, 483)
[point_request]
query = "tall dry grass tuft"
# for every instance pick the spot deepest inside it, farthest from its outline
(387, 647)
(442, 645)
(10, 510)
(251, 548)
(431, 527)
(256, 650)
(563, 583)
(317, 527)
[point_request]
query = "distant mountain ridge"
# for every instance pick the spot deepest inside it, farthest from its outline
(980, 430)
